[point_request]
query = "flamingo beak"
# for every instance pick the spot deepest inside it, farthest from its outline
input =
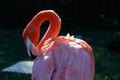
(30, 48)
(28, 44)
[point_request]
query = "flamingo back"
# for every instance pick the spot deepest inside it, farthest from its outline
(64, 58)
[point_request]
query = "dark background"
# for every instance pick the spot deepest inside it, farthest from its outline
(77, 14)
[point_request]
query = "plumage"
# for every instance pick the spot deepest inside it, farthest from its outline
(58, 57)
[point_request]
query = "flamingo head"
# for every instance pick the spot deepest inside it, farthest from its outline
(31, 38)
(31, 49)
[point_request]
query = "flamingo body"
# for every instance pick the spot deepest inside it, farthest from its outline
(58, 58)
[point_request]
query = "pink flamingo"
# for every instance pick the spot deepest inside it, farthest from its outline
(58, 58)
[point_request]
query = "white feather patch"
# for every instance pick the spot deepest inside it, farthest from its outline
(20, 67)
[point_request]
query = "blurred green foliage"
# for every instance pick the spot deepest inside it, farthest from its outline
(12, 50)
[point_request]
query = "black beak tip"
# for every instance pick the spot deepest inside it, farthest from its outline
(32, 56)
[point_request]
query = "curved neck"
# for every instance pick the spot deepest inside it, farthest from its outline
(33, 27)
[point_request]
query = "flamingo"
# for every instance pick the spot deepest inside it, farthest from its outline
(57, 57)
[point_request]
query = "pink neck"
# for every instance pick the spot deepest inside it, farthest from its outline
(52, 31)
